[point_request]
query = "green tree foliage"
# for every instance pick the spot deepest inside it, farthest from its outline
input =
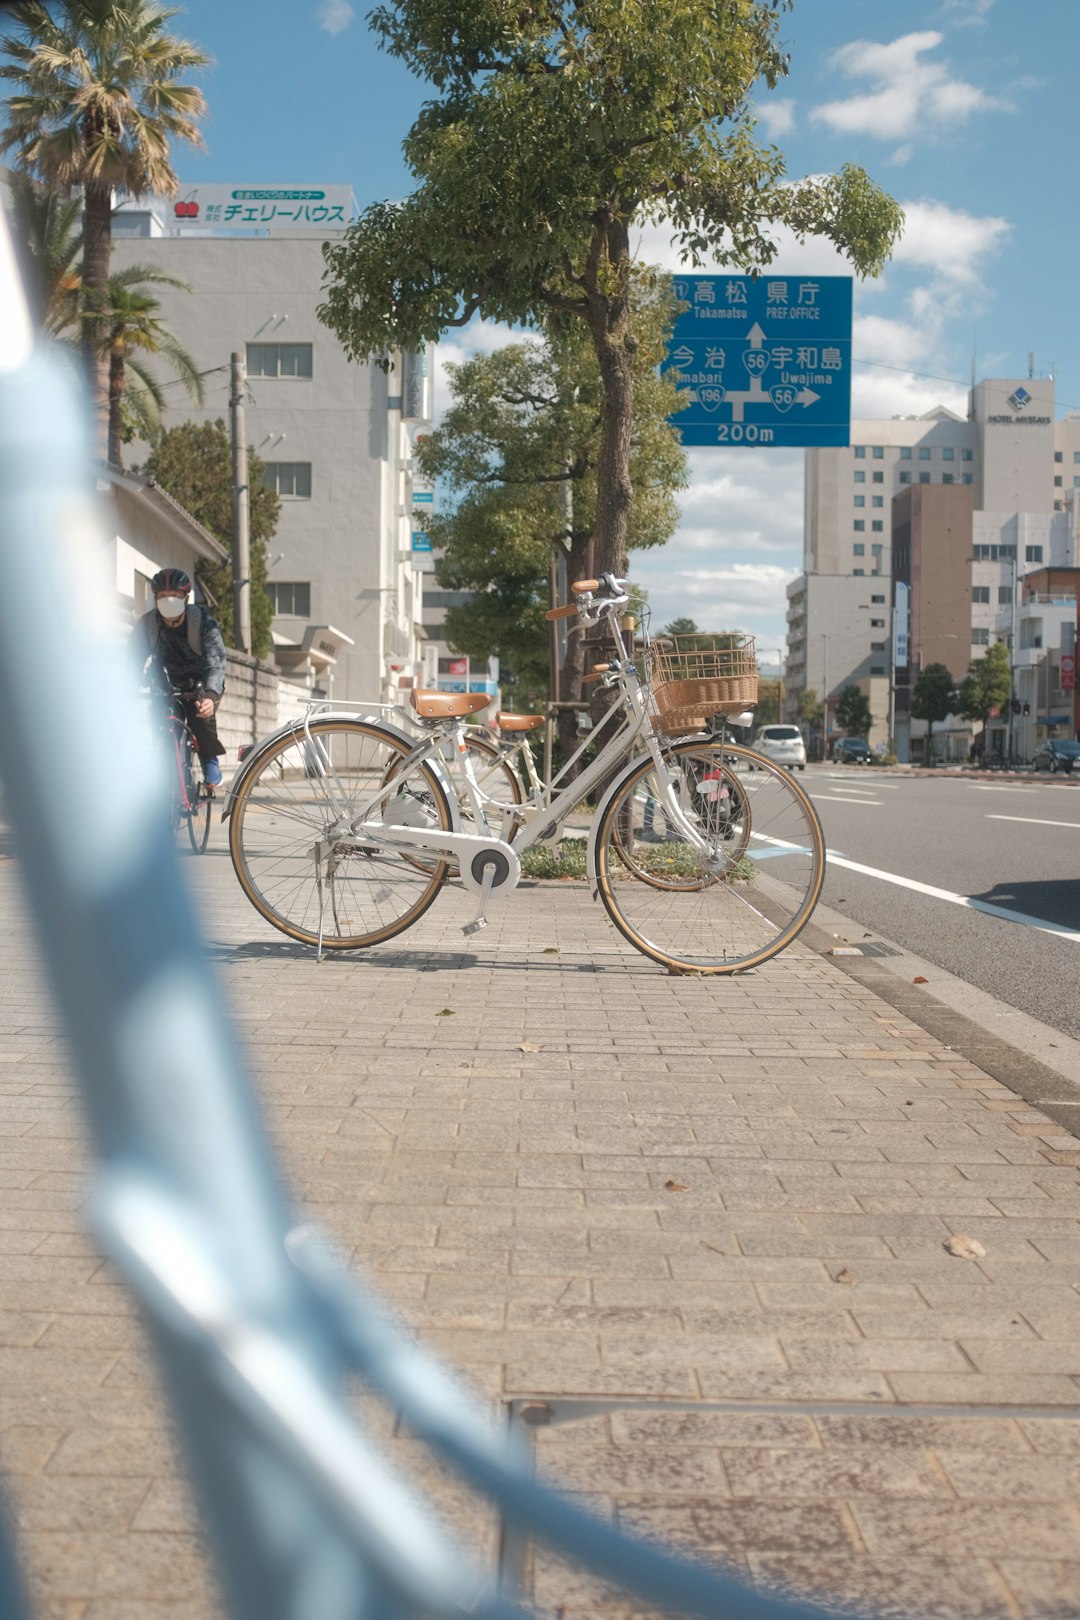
(126, 330)
(810, 710)
(852, 711)
(95, 98)
(770, 690)
(933, 698)
(517, 452)
(193, 461)
(987, 684)
(553, 130)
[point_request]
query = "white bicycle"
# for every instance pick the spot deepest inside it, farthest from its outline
(344, 828)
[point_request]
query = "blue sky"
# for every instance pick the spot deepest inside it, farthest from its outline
(965, 110)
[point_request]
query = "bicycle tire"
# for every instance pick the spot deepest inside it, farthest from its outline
(281, 816)
(649, 865)
(737, 914)
(199, 805)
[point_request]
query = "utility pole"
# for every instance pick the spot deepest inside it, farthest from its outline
(241, 537)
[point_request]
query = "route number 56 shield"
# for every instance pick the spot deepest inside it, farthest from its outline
(710, 398)
(784, 396)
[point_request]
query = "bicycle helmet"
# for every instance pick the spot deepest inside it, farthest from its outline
(170, 581)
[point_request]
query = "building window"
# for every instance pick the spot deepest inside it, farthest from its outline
(1076, 483)
(946, 478)
(924, 478)
(860, 500)
(969, 478)
(858, 549)
(859, 525)
(279, 359)
(948, 453)
(905, 478)
(877, 624)
(924, 455)
(1058, 456)
(860, 452)
(877, 527)
(980, 593)
(860, 478)
(1058, 481)
(859, 571)
(877, 500)
(876, 550)
(1033, 553)
(966, 455)
(905, 453)
(293, 598)
(1004, 595)
(877, 669)
(289, 479)
(879, 452)
(877, 599)
(980, 636)
(877, 478)
(1076, 457)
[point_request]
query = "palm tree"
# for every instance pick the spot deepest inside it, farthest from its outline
(49, 246)
(97, 99)
(129, 327)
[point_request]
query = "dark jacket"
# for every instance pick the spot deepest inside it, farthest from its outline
(188, 655)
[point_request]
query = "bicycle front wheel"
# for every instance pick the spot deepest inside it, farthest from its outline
(736, 869)
(200, 806)
(291, 839)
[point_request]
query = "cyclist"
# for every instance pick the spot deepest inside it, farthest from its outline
(182, 642)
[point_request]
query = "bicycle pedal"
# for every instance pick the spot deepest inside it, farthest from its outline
(475, 926)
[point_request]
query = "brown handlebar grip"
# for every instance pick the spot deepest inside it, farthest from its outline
(580, 586)
(569, 611)
(596, 674)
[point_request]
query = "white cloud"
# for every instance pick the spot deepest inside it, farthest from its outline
(966, 13)
(336, 15)
(778, 117)
(949, 242)
(908, 96)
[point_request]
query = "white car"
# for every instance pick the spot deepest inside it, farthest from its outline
(783, 744)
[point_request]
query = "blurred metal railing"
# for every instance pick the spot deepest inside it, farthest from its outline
(256, 1328)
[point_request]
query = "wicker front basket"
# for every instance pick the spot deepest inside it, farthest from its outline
(691, 680)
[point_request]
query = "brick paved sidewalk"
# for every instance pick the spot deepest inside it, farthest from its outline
(698, 1225)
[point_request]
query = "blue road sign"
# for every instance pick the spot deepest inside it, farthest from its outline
(420, 540)
(763, 360)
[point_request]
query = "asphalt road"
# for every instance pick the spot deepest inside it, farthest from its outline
(1012, 844)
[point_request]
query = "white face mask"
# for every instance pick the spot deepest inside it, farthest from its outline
(171, 607)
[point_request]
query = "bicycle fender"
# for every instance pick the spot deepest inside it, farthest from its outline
(294, 726)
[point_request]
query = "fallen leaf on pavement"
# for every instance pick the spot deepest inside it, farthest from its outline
(447, 1012)
(674, 1186)
(529, 1046)
(845, 1276)
(918, 979)
(550, 950)
(965, 1248)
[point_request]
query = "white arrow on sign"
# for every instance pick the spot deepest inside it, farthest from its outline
(755, 337)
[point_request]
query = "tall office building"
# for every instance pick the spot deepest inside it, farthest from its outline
(1009, 502)
(336, 437)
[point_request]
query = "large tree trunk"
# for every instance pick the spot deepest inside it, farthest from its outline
(117, 384)
(616, 345)
(570, 687)
(97, 249)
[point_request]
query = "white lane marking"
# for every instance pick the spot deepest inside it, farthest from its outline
(980, 787)
(835, 859)
(1036, 821)
(831, 799)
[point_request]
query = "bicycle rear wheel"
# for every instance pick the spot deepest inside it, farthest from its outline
(736, 873)
(292, 846)
(200, 806)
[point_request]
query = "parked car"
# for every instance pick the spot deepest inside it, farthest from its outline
(1057, 756)
(783, 744)
(851, 751)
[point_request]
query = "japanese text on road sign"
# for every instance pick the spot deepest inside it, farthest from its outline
(763, 360)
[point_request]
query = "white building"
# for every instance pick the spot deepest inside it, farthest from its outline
(336, 437)
(1023, 467)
